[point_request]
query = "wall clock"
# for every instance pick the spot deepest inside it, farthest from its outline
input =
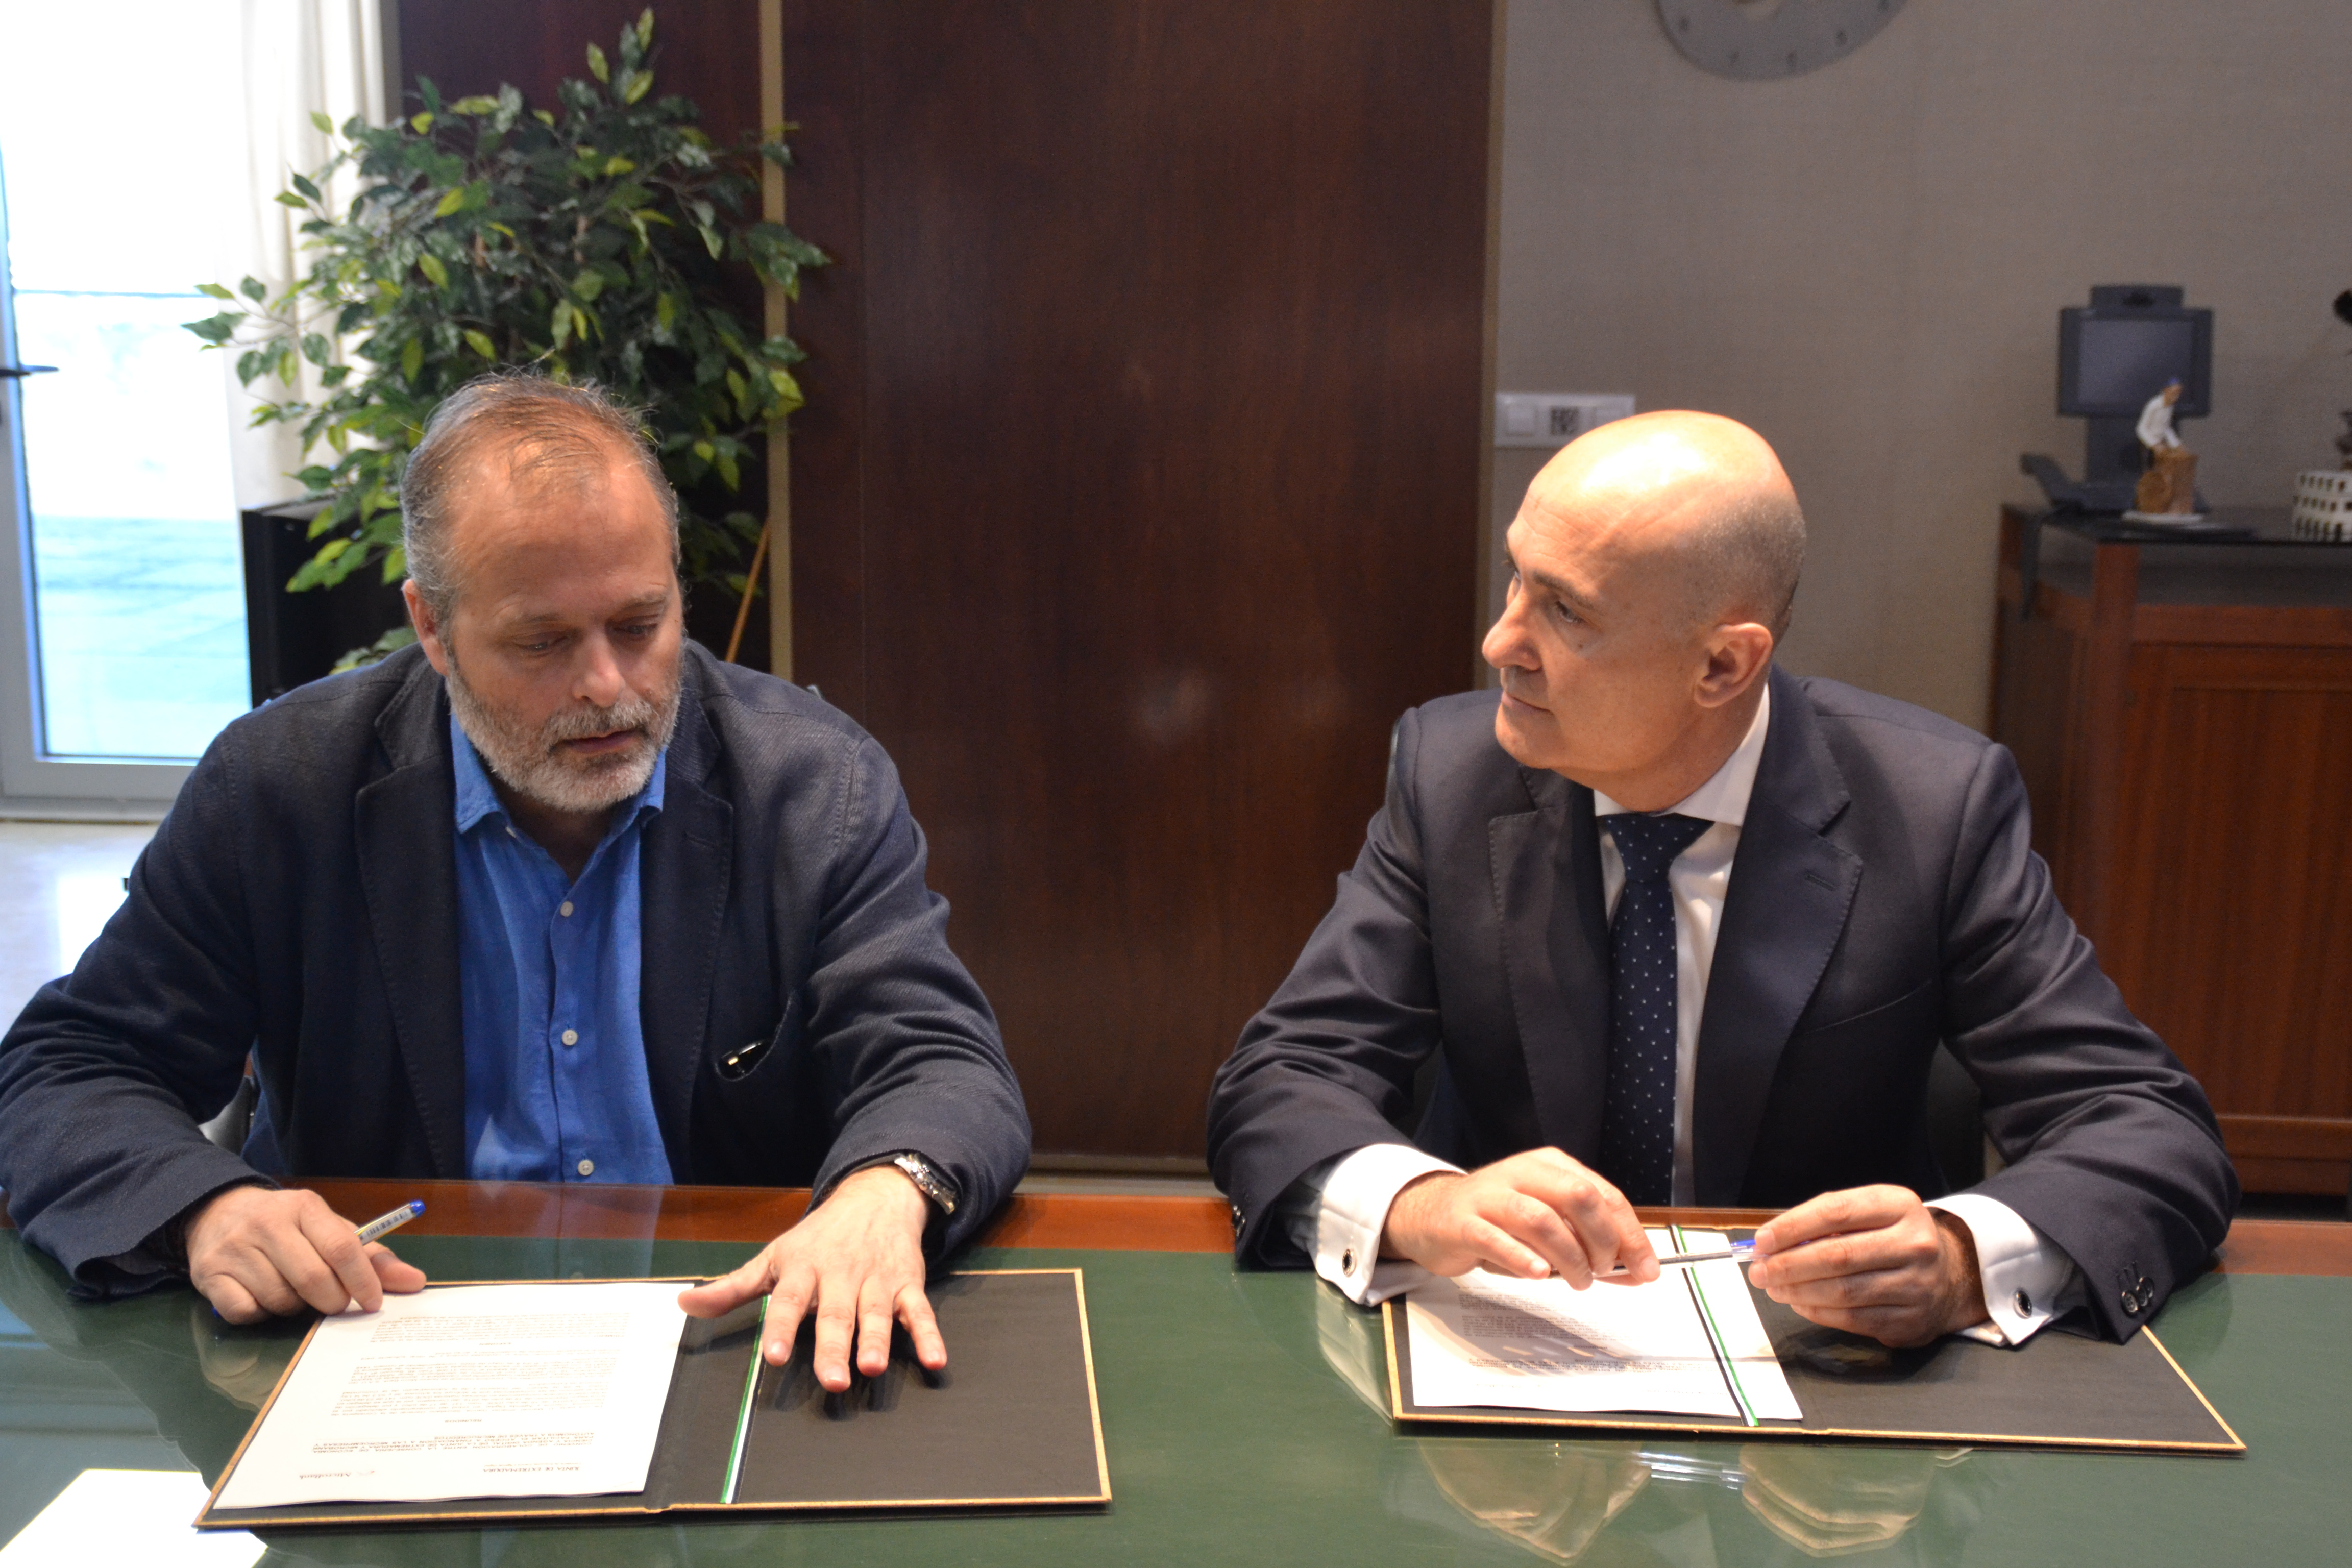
(1755, 40)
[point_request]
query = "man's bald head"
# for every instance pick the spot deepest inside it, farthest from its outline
(1653, 569)
(1698, 487)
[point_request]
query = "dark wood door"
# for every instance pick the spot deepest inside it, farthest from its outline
(1139, 490)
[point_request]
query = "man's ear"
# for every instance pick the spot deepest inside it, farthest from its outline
(427, 624)
(1737, 657)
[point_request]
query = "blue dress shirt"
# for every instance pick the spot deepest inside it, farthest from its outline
(555, 1053)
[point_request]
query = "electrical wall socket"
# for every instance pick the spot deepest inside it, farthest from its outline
(1555, 419)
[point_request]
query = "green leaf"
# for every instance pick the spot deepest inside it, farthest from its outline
(480, 341)
(616, 165)
(395, 567)
(588, 285)
(597, 65)
(705, 450)
(289, 199)
(326, 127)
(475, 104)
(544, 117)
(787, 389)
(421, 123)
(559, 325)
(455, 201)
(665, 310)
(214, 329)
(639, 83)
(307, 188)
(215, 291)
(645, 28)
(314, 349)
(330, 551)
(411, 358)
(434, 267)
(711, 239)
(254, 290)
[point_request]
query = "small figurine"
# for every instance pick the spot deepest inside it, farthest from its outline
(2167, 489)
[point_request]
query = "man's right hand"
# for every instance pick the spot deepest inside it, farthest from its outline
(254, 1253)
(1533, 1215)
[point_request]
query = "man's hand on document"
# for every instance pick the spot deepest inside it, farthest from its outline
(255, 1253)
(858, 1262)
(1872, 1260)
(1533, 1215)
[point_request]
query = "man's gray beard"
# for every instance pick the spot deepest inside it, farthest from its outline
(528, 763)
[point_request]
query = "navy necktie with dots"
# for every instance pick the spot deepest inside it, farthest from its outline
(1637, 1118)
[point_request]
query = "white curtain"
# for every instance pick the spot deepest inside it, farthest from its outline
(301, 56)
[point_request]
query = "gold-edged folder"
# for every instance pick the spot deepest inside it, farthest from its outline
(2056, 1391)
(1011, 1423)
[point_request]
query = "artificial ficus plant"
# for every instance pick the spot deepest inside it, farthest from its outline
(601, 242)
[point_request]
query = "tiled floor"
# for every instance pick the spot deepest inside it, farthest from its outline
(59, 883)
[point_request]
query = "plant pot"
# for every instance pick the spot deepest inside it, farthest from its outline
(292, 639)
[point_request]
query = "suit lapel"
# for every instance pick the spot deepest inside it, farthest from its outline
(684, 864)
(1546, 865)
(407, 838)
(1790, 894)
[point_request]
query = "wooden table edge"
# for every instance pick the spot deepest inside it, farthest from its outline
(1101, 1222)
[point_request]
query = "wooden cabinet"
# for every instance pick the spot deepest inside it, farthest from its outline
(2182, 714)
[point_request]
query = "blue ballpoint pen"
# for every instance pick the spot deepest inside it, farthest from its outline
(385, 1225)
(1736, 1252)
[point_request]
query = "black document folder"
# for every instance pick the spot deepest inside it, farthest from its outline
(2057, 1390)
(1011, 1423)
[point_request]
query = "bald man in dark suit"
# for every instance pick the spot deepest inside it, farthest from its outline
(1680, 927)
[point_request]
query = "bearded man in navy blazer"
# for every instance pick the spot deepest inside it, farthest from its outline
(554, 896)
(1679, 927)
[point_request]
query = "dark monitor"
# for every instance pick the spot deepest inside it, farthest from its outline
(2113, 357)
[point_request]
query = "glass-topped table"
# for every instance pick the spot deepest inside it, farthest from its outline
(1241, 1412)
(2240, 556)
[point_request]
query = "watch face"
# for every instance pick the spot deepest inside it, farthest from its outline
(1755, 40)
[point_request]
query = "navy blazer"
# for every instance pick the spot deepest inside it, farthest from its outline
(802, 1010)
(1884, 896)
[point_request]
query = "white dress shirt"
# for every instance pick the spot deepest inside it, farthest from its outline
(1336, 1211)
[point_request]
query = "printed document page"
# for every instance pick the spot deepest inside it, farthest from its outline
(472, 1391)
(1687, 1343)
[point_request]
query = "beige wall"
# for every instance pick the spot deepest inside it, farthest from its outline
(1867, 264)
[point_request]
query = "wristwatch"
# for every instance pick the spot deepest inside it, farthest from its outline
(929, 1180)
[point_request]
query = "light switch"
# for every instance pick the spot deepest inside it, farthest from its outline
(1550, 419)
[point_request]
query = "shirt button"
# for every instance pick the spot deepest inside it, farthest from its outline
(570, 1036)
(2023, 1303)
(564, 908)
(587, 1167)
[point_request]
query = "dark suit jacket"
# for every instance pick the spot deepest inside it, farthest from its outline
(1884, 898)
(301, 902)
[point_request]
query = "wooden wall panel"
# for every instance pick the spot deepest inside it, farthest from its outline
(705, 50)
(1140, 491)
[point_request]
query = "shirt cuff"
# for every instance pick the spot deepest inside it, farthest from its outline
(1340, 1209)
(2027, 1279)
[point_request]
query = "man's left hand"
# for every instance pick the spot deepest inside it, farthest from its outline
(856, 1261)
(1872, 1260)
